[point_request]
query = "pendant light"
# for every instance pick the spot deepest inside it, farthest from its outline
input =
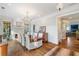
(59, 6)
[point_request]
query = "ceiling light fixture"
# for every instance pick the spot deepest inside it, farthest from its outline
(59, 6)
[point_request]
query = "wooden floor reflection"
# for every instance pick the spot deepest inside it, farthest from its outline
(70, 43)
(16, 49)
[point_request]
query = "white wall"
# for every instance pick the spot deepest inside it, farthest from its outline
(75, 21)
(51, 27)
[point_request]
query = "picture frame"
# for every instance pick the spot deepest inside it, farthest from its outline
(42, 28)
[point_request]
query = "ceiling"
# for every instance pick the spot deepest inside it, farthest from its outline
(33, 10)
(72, 16)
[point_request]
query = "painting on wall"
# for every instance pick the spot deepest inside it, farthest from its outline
(42, 29)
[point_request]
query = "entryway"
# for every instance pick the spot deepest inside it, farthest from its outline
(68, 31)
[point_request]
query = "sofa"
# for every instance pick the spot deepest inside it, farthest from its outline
(32, 41)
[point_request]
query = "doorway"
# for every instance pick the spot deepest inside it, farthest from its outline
(6, 30)
(63, 28)
(69, 31)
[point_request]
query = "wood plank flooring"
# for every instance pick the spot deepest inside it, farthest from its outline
(70, 43)
(15, 49)
(18, 50)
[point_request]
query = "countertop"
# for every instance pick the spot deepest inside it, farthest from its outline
(3, 43)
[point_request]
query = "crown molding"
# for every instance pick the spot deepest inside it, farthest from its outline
(70, 10)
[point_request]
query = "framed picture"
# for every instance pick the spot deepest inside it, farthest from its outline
(42, 28)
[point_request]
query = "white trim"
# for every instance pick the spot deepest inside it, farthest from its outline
(70, 10)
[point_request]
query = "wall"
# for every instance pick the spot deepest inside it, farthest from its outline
(50, 22)
(75, 21)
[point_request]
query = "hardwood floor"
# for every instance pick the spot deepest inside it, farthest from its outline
(15, 49)
(70, 43)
